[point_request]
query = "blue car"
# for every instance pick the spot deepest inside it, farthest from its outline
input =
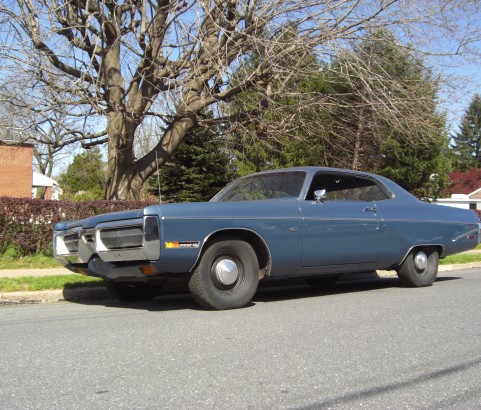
(310, 222)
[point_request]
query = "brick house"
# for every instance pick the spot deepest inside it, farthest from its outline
(16, 167)
(17, 177)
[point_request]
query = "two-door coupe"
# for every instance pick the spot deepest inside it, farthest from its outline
(310, 222)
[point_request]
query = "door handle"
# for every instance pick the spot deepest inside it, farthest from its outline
(370, 209)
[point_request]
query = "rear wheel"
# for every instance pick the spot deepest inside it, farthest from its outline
(132, 291)
(227, 275)
(420, 267)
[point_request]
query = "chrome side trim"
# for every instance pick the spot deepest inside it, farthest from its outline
(230, 218)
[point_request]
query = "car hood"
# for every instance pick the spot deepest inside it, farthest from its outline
(94, 220)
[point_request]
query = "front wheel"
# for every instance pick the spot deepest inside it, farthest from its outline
(420, 267)
(132, 291)
(227, 275)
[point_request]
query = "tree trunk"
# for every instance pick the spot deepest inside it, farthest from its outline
(356, 158)
(121, 176)
(125, 181)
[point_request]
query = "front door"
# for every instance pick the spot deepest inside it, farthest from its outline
(345, 228)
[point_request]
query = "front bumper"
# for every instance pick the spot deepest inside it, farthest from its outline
(103, 249)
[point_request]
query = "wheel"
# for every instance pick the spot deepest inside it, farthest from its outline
(420, 267)
(227, 275)
(131, 291)
(322, 281)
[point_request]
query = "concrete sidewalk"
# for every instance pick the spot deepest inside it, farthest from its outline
(18, 273)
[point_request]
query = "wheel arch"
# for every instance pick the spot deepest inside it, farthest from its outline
(251, 237)
(439, 248)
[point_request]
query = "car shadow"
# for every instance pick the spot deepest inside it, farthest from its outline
(179, 298)
(302, 291)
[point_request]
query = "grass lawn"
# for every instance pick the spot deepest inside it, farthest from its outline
(29, 283)
(461, 258)
(9, 261)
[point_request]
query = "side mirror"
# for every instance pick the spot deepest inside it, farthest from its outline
(320, 195)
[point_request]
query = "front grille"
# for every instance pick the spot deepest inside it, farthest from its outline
(71, 242)
(122, 238)
(88, 238)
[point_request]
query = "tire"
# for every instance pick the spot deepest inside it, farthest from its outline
(132, 291)
(420, 267)
(226, 277)
(322, 281)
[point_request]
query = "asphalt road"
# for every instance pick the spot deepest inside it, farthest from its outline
(370, 344)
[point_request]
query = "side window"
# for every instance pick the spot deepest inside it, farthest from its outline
(342, 187)
(278, 185)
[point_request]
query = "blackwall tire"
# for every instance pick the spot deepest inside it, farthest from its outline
(420, 267)
(132, 291)
(226, 277)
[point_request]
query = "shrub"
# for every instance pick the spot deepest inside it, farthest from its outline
(26, 225)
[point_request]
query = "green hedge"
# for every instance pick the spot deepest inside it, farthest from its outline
(26, 225)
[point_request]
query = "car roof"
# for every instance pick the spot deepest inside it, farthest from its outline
(312, 169)
(396, 190)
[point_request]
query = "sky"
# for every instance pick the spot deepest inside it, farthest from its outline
(455, 98)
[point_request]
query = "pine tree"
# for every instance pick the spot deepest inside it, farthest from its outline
(377, 113)
(467, 148)
(290, 131)
(196, 172)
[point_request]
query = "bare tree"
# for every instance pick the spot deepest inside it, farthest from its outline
(134, 59)
(39, 114)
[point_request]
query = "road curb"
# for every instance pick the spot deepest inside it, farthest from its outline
(101, 293)
(53, 296)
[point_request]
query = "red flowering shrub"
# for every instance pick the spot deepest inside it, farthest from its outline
(27, 224)
(463, 182)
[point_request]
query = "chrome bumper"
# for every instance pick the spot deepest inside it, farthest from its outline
(117, 241)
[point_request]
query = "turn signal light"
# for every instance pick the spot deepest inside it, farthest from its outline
(148, 270)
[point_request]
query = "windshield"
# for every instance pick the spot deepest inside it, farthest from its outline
(273, 185)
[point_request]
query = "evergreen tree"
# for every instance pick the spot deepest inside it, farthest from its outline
(290, 132)
(377, 113)
(467, 148)
(384, 96)
(423, 171)
(196, 172)
(85, 178)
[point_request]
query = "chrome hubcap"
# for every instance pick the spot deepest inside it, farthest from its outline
(226, 272)
(421, 260)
